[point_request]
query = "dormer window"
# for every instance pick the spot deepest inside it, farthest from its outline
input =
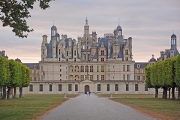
(126, 52)
(138, 65)
(34, 66)
(102, 52)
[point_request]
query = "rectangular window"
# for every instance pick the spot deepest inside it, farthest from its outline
(91, 77)
(59, 51)
(143, 77)
(41, 88)
(60, 75)
(124, 77)
(69, 87)
(102, 59)
(123, 67)
(102, 77)
(60, 70)
(91, 68)
(97, 68)
(74, 52)
(98, 87)
(108, 87)
(86, 77)
(138, 77)
(128, 77)
(74, 59)
(60, 87)
(34, 78)
(31, 88)
(136, 87)
(116, 87)
(146, 88)
(128, 67)
(97, 77)
(82, 68)
(102, 52)
(126, 59)
(67, 53)
(127, 87)
(76, 87)
(126, 52)
(50, 87)
(86, 69)
(102, 68)
(82, 77)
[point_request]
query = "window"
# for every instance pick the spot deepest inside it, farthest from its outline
(59, 59)
(74, 59)
(74, 52)
(82, 77)
(102, 68)
(97, 77)
(69, 87)
(59, 51)
(102, 59)
(76, 87)
(31, 88)
(138, 65)
(50, 87)
(91, 77)
(123, 67)
(60, 87)
(34, 78)
(124, 77)
(35, 67)
(82, 68)
(60, 70)
(91, 68)
(102, 52)
(86, 68)
(99, 87)
(143, 77)
(40, 88)
(60, 75)
(66, 53)
(128, 67)
(97, 68)
(128, 77)
(87, 77)
(108, 87)
(41, 68)
(126, 52)
(136, 87)
(43, 51)
(126, 59)
(127, 87)
(138, 77)
(102, 77)
(146, 88)
(116, 87)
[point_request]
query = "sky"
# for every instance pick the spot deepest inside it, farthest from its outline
(150, 23)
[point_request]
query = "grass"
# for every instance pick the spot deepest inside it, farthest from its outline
(159, 108)
(30, 106)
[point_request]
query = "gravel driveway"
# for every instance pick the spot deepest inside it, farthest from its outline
(84, 107)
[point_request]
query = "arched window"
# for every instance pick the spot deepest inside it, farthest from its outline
(76, 87)
(98, 87)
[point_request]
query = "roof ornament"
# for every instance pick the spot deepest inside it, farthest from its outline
(53, 22)
(119, 21)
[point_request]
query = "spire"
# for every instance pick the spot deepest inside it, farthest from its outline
(86, 21)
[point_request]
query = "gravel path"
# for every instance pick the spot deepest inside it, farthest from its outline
(84, 107)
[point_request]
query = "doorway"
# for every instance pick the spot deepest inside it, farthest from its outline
(86, 89)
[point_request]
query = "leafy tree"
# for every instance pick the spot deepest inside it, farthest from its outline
(15, 12)
(177, 74)
(147, 75)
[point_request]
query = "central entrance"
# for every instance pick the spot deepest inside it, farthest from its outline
(86, 89)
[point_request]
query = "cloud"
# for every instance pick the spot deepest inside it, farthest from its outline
(149, 23)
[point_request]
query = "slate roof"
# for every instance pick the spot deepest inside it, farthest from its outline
(142, 64)
(31, 65)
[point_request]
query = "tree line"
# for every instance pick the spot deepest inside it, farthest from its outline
(13, 74)
(164, 74)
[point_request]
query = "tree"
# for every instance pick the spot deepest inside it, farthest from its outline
(177, 74)
(15, 12)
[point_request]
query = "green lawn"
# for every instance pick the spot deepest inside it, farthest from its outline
(30, 106)
(156, 107)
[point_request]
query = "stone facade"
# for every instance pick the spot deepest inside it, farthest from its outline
(101, 65)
